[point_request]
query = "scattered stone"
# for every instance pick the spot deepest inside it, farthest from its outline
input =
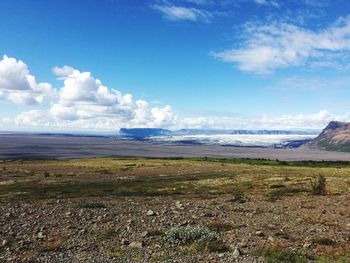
(136, 244)
(124, 242)
(41, 235)
(237, 253)
(150, 213)
(307, 245)
(144, 234)
(157, 246)
(179, 205)
(209, 214)
(4, 242)
(259, 233)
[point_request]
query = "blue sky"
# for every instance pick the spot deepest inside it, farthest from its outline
(107, 64)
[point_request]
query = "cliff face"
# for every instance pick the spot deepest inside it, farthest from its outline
(335, 137)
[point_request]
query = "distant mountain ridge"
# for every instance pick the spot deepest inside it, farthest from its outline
(335, 137)
(152, 132)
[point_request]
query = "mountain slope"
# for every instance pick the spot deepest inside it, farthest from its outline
(335, 137)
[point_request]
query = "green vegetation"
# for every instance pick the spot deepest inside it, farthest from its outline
(180, 176)
(315, 164)
(323, 241)
(341, 259)
(281, 255)
(198, 237)
(189, 234)
(116, 254)
(319, 186)
(210, 246)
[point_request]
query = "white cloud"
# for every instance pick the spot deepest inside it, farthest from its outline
(84, 102)
(178, 13)
(18, 86)
(283, 122)
(279, 45)
(267, 2)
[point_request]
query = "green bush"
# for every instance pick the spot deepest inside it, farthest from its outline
(319, 186)
(280, 255)
(190, 234)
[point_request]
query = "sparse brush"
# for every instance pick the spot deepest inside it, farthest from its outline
(282, 255)
(239, 197)
(190, 234)
(220, 226)
(319, 186)
(323, 241)
(211, 246)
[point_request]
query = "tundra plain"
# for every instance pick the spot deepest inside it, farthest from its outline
(174, 210)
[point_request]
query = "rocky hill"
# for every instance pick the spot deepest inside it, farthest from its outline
(335, 137)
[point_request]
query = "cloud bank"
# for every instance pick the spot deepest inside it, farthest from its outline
(83, 102)
(279, 45)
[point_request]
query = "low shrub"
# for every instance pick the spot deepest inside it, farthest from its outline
(211, 246)
(319, 186)
(281, 255)
(190, 234)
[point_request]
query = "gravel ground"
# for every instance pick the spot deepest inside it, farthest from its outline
(130, 229)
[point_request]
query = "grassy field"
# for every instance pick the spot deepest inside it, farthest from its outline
(149, 177)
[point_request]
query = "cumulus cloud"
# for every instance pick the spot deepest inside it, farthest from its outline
(280, 45)
(84, 102)
(85, 97)
(19, 86)
(179, 13)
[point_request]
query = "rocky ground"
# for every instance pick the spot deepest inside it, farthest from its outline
(259, 223)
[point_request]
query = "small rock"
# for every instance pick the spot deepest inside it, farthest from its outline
(150, 213)
(179, 205)
(209, 214)
(68, 214)
(41, 235)
(307, 245)
(136, 244)
(4, 242)
(124, 242)
(259, 233)
(157, 246)
(236, 253)
(271, 239)
(144, 234)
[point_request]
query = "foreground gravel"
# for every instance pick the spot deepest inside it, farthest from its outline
(130, 229)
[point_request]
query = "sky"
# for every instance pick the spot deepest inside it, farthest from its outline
(100, 65)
